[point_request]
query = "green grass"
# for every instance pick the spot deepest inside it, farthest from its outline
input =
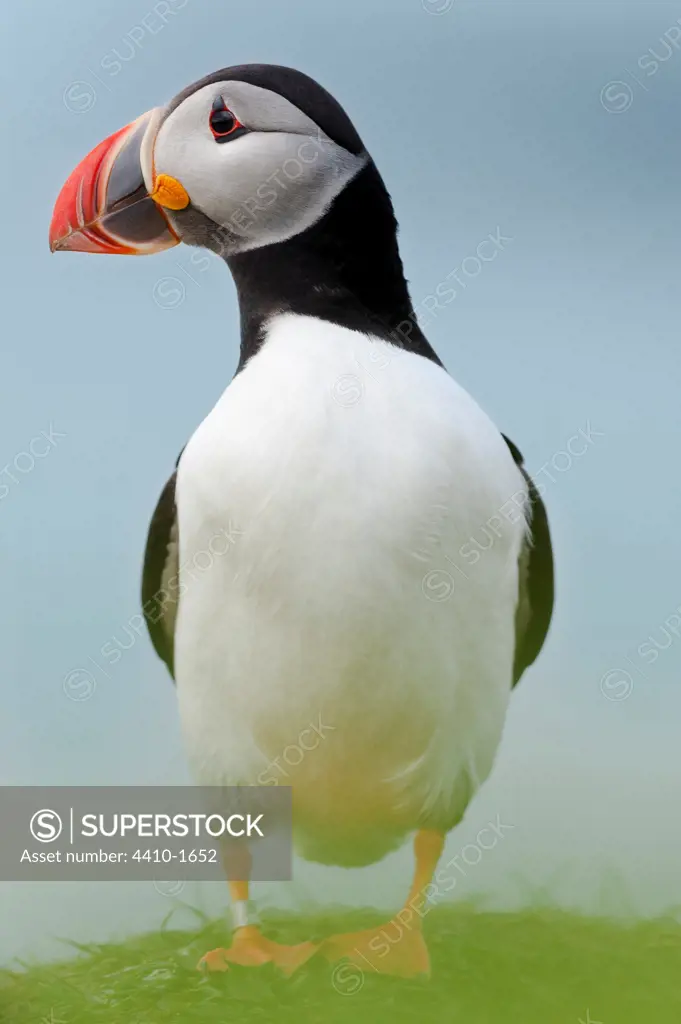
(488, 968)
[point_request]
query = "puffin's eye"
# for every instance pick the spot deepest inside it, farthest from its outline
(223, 123)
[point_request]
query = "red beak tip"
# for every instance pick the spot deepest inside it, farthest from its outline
(60, 243)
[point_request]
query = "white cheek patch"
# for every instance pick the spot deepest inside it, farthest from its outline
(289, 204)
(263, 187)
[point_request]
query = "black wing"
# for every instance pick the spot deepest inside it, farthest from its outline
(160, 577)
(535, 582)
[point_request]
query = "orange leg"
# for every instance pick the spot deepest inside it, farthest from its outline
(250, 948)
(397, 947)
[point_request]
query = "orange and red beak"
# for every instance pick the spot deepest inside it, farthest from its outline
(105, 205)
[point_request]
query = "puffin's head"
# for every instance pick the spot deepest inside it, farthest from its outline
(244, 158)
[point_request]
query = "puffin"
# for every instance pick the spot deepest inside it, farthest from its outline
(381, 564)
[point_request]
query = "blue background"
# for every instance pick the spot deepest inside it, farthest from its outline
(482, 116)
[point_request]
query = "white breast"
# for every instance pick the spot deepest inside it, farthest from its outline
(343, 643)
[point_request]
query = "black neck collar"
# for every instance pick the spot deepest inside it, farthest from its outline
(345, 269)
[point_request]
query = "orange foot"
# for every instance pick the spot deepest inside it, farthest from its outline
(251, 949)
(393, 948)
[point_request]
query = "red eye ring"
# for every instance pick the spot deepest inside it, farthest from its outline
(223, 122)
